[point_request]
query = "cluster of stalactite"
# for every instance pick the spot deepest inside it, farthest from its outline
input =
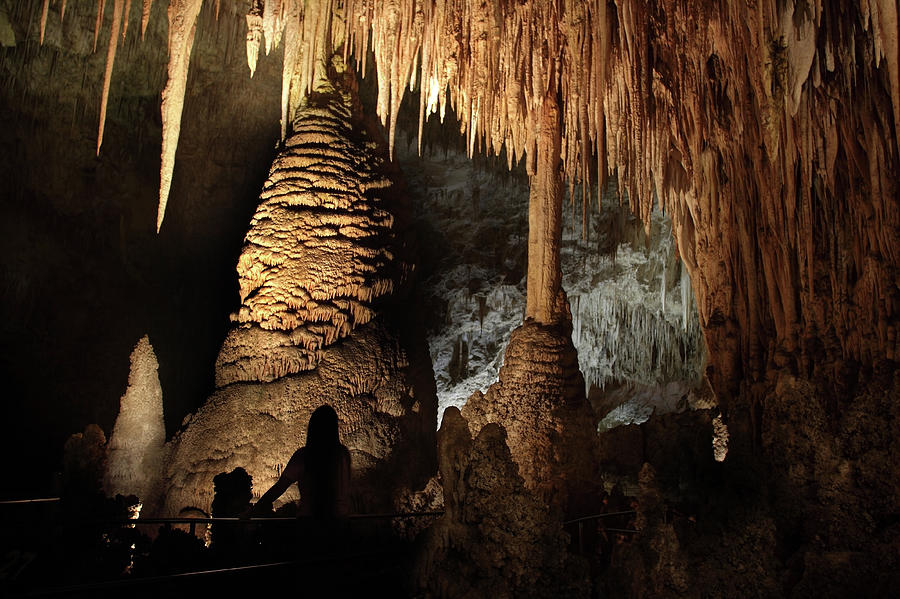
(322, 247)
(767, 130)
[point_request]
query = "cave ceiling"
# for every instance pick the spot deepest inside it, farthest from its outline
(769, 125)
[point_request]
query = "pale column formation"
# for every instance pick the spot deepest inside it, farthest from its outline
(544, 286)
(135, 462)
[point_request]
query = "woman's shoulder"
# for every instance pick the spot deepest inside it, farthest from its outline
(295, 464)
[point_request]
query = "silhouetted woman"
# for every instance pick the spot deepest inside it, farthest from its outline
(321, 470)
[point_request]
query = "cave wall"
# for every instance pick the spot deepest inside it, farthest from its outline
(85, 274)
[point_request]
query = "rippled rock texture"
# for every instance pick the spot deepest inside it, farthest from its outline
(540, 401)
(324, 253)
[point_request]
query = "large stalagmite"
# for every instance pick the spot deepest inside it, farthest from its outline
(324, 256)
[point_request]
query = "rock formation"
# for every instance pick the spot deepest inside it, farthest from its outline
(324, 252)
(767, 130)
(135, 451)
(540, 401)
(495, 539)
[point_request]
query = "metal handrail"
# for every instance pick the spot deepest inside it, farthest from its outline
(597, 516)
(257, 520)
(26, 501)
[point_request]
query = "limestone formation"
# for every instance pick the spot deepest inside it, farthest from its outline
(323, 247)
(495, 538)
(182, 27)
(786, 219)
(84, 464)
(540, 402)
(135, 463)
(378, 382)
(323, 257)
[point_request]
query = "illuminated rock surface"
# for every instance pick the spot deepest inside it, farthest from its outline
(135, 450)
(495, 538)
(324, 246)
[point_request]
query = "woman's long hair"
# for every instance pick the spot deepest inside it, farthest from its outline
(322, 455)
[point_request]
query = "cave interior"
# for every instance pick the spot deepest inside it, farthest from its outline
(578, 264)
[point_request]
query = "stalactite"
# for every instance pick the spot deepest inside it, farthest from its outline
(272, 23)
(182, 24)
(254, 35)
(118, 6)
(126, 14)
(145, 16)
(747, 134)
(291, 53)
(44, 10)
(101, 6)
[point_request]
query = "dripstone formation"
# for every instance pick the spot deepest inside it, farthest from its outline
(324, 253)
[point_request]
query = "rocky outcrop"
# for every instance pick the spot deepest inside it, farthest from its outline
(540, 402)
(495, 538)
(836, 483)
(324, 252)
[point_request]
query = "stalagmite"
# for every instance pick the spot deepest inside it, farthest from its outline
(324, 253)
(182, 25)
(135, 461)
(321, 250)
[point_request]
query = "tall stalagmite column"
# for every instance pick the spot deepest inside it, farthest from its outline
(539, 398)
(544, 303)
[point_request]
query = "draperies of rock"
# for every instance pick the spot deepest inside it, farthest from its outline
(323, 246)
(747, 133)
(744, 120)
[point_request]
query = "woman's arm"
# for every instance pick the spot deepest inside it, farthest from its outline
(289, 475)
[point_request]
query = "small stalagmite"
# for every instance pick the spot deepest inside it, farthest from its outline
(135, 462)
